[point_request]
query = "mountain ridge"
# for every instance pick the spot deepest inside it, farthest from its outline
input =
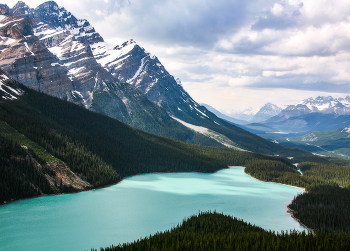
(71, 142)
(321, 104)
(143, 95)
(71, 72)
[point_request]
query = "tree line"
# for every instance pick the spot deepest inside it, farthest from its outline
(98, 148)
(214, 231)
(325, 206)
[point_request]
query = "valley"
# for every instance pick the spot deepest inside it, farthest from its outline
(317, 125)
(110, 132)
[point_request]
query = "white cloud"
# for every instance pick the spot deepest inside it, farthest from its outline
(277, 9)
(233, 52)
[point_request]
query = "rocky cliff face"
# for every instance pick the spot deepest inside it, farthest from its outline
(132, 64)
(28, 61)
(65, 57)
(58, 18)
(59, 61)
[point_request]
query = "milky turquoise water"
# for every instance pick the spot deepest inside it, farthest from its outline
(140, 206)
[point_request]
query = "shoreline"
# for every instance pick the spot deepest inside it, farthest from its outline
(93, 189)
(301, 188)
(290, 212)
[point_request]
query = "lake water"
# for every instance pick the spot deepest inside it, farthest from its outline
(140, 206)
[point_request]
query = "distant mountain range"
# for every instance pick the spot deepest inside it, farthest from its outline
(225, 117)
(249, 115)
(245, 115)
(48, 146)
(267, 111)
(319, 114)
(50, 50)
(324, 105)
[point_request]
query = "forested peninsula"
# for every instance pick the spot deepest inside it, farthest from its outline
(323, 208)
(215, 231)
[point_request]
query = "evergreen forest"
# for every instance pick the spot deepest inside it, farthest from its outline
(50, 146)
(214, 231)
(99, 150)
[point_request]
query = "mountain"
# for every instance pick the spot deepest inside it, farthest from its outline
(267, 111)
(257, 115)
(320, 114)
(223, 116)
(50, 50)
(132, 64)
(48, 145)
(321, 104)
(245, 115)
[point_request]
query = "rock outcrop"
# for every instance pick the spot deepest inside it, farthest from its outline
(65, 57)
(28, 61)
(132, 64)
(55, 57)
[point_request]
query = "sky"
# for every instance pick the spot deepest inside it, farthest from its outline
(234, 54)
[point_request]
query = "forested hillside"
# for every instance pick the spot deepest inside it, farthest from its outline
(91, 150)
(324, 207)
(213, 231)
(52, 146)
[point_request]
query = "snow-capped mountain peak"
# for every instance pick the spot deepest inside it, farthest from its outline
(108, 55)
(269, 109)
(250, 111)
(59, 19)
(321, 104)
(130, 43)
(130, 63)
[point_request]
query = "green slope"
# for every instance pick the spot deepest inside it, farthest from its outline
(334, 143)
(98, 149)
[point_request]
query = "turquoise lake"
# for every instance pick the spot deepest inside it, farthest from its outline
(139, 206)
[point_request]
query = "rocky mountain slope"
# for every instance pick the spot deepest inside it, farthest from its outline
(50, 50)
(131, 63)
(48, 145)
(319, 114)
(267, 111)
(325, 105)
